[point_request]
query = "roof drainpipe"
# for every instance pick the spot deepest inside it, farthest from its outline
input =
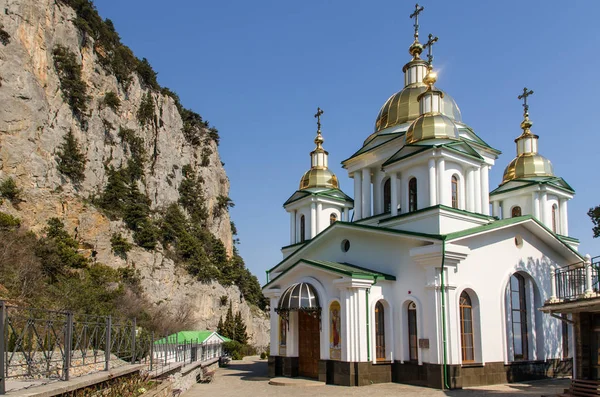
(444, 338)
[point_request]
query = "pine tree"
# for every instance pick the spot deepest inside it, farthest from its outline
(240, 334)
(71, 161)
(220, 329)
(229, 325)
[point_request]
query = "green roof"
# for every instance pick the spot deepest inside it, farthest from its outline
(437, 206)
(188, 336)
(345, 269)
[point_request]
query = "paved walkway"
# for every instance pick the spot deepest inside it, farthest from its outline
(248, 377)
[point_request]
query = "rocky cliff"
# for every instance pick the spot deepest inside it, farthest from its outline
(36, 116)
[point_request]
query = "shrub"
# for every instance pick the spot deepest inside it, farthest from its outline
(223, 203)
(112, 101)
(8, 222)
(10, 191)
(206, 152)
(72, 86)
(147, 74)
(224, 299)
(4, 36)
(135, 165)
(71, 161)
(213, 133)
(263, 355)
(120, 245)
(145, 113)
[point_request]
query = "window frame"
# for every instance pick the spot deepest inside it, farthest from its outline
(412, 195)
(516, 211)
(522, 314)
(466, 313)
(455, 191)
(380, 354)
(413, 339)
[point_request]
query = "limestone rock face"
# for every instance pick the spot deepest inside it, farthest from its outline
(34, 118)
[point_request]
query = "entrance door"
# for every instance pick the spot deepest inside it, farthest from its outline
(308, 345)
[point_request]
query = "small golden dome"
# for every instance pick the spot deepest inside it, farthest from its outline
(403, 107)
(431, 126)
(415, 49)
(319, 177)
(526, 166)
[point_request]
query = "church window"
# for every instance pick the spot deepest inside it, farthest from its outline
(519, 316)
(412, 195)
(412, 332)
(387, 196)
(454, 191)
(345, 245)
(466, 328)
(302, 228)
(516, 211)
(554, 212)
(379, 332)
(332, 218)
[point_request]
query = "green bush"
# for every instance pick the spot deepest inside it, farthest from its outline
(135, 164)
(4, 36)
(72, 85)
(71, 161)
(147, 74)
(263, 355)
(206, 152)
(120, 245)
(112, 101)
(145, 113)
(10, 191)
(8, 221)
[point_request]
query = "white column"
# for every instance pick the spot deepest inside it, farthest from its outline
(485, 190)
(562, 214)
(319, 218)
(544, 208)
(394, 193)
(378, 193)
(346, 214)
(477, 189)
(293, 227)
(313, 220)
(470, 191)
(357, 195)
(496, 208)
(536, 205)
(366, 192)
(432, 183)
(441, 178)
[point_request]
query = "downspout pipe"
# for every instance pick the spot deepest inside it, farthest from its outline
(444, 331)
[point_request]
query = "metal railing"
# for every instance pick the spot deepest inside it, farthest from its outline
(576, 281)
(41, 346)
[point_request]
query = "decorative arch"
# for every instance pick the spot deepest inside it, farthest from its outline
(412, 194)
(379, 331)
(405, 353)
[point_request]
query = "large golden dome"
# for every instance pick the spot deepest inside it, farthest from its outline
(528, 165)
(431, 126)
(319, 177)
(403, 107)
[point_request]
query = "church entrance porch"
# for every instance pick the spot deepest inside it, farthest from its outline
(308, 345)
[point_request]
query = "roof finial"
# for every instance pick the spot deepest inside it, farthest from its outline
(431, 76)
(526, 123)
(319, 138)
(415, 15)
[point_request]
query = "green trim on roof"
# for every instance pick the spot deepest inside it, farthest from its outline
(324, 193)
(531, 182)
(393, 160)
(358, 226)
(360, 151)
(568, 238)
(439, 206)
(188, 336)
(478, 141)
(449, 147)
(345, 269)
(291, 245)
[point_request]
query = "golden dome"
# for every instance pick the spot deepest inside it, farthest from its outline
(403, 107)
(319, 177)
(528, 165)
(431, 126)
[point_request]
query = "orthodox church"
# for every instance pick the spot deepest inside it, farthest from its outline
(423, 284)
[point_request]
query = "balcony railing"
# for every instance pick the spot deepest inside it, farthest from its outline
(576, 281)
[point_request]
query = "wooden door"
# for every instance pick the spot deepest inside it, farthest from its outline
(308, 345)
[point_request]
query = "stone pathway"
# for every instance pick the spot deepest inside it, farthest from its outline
(248, 377)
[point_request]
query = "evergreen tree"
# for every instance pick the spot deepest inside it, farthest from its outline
(229, 325)
(594, 214)
(240, 334)
(71, 161)
(220, 329)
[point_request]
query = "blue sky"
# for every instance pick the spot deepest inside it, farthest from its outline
(257, 70)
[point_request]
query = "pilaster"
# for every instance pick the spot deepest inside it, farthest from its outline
(394, 193)
(432, 183)
(357, 176)
(366, 192)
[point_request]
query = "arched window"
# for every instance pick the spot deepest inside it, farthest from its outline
(412, 332)
(387, 196)
(332, 218)
(454, 191)
(554, 217)
(519, 316)
(379, 332)
(466, 328)
(412, 195)
(302, 229)
(516, 211)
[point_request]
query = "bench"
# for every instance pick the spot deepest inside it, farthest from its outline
(583, 388)
(207, 376)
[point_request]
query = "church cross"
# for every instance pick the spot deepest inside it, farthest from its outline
(415, 15)
(524, 96)
(429, 46)
(318, 117)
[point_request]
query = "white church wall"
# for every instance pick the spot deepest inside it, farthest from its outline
(325, 214)
(306, 213)
(453, 168)
(523, 201)
(420, 172)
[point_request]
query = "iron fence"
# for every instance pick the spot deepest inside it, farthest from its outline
(40, 346)
(575, 281)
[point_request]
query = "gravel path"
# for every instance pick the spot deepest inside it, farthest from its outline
(248, 377)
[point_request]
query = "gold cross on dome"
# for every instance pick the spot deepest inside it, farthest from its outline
(318, 117)
(415, 15)
(523, 96)
(429, 45)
